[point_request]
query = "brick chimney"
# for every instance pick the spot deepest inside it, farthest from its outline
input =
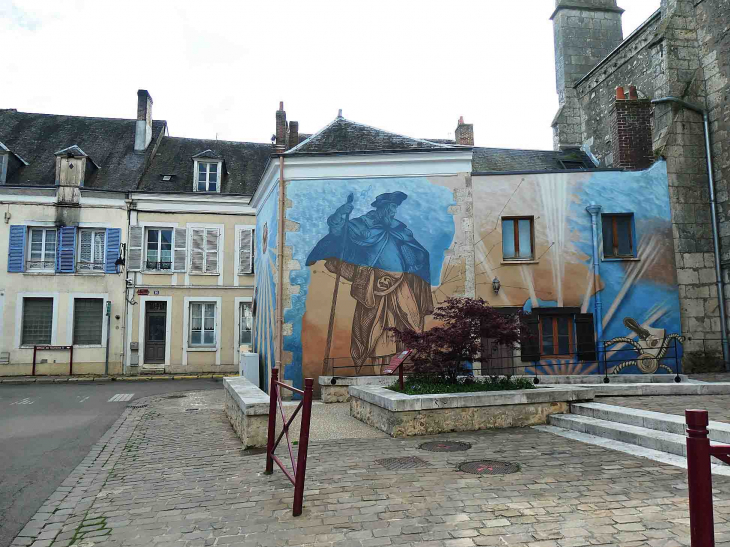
(631, 130)
(281, 128)
(293, 135)
(464, 133)
(143, 130)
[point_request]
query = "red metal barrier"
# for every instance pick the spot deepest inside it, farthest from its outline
(699, 477)
(299, 467)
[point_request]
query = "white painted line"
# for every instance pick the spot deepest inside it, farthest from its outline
(626, 448)
(121, 397)
(25, 401)
(81, 400)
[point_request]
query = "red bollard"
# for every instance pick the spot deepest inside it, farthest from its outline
(302, 451)
(699, 479)
(273, 390)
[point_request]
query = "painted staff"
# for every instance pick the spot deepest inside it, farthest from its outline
(331, 326)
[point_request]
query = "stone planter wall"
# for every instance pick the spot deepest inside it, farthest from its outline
(402, 415)
(339, 391)
(247, 408)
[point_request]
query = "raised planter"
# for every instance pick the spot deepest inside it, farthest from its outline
(247, 408)
(338, 391)
(401, 415)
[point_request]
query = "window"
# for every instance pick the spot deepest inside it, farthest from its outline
(207, 176)
(556, 335)
(91, 250)
(202, 324)
(204, 250)
(37, 321)
(618, 235)
(42, 249)
(246, 319)
(88, 321)
(159, 249)
(517, 237)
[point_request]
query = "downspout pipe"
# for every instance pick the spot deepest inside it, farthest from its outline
(280, 273)
(594, 211)
(713, 214)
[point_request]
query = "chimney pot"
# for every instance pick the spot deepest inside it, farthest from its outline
(620, 94)
(461, 120)
(143, 129)
(281, 105)
(633, 94)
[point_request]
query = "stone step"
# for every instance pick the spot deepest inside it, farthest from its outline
(668, 423)
(631, 434)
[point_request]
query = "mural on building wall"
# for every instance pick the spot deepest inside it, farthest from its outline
(651, 347)
(560, 274)
(366, 259)
(265, 271)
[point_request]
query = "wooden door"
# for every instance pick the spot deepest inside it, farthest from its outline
(155, 330)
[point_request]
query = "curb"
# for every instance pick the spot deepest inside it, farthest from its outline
(72, 379)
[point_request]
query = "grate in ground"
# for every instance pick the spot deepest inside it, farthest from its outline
(406, 462)
(445, 446)
(489, 467)
(179, 396)
(137, 405)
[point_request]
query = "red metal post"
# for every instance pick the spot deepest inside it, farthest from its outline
(400, 377)
(71, 361)
(35, 349)
(273, 390)
(303, 444)
(699, 479)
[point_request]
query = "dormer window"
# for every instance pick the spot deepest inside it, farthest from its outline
(208, 176)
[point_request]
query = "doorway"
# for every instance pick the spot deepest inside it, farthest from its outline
(155, 332)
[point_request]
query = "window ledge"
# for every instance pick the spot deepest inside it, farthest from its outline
(518, 262)
(201, 349)
(44, 272)
(622, 259)
(158, 272)
(208, 274)
(87, 346)
(91, 273)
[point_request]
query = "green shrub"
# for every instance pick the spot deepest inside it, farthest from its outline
(417, 386)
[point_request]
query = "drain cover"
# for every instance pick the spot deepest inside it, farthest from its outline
(175, 396)
(137, 405)
(489, 467)
(407, 462)
(191, 409)
(445, 446)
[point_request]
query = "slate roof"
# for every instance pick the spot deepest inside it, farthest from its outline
(108, 141)
(343, 135)
(243, 164)
(504, 159)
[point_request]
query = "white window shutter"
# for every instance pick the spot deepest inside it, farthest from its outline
(197, 250)
(180, 251)
(211, 250)
(136, 242)
(245, 251)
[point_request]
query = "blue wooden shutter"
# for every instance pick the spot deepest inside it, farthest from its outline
(113, 237)
(16, 248)
(66, 257)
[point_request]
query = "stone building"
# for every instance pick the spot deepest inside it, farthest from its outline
(606, 85)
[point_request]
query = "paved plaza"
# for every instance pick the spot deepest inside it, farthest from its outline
(172, 473)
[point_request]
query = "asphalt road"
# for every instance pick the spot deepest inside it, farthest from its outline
(47, 429)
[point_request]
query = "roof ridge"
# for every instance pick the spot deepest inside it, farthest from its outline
(14, 112)
(313, 135)
(396, 134)
(217, 140)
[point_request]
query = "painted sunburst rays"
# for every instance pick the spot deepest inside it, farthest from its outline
(265, 295)
(561, 271)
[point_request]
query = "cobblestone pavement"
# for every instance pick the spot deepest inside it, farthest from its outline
(718, 406)
(167, 475)
(330, 421)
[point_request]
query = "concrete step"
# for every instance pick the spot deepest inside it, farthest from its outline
(625, 433)
(658, 421)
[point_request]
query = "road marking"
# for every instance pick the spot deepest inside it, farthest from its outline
(121, 397)
(81, 400)
(25, 401)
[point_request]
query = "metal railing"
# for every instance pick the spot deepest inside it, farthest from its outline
(609, 359)
(699, 477)
(87, 266)
(31, 265)
(299, 467)
(152, 265)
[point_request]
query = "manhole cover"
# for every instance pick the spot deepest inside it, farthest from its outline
(175, 396)
(489, 467)
(445, 446)
(406, 462)
(137, 405)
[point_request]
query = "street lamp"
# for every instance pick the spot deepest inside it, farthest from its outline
(496, 285)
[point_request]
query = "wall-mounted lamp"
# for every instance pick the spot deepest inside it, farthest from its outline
(496, 285)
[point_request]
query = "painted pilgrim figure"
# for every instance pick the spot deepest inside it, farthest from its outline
(389, 271)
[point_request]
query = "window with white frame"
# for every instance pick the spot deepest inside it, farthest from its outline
(207, 177)
(245, 318)
(204, 250)
(37, 321)
(91, 250)
(88, 321)
(159, 249)
(42, 249)
(202, 324)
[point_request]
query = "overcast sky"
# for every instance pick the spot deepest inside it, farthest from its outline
(221, 67)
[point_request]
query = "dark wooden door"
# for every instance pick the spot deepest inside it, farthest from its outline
(155, 332)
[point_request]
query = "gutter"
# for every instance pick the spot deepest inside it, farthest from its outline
(280, 274)
(713, 214)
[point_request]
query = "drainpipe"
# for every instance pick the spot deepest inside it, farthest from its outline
(713, 213)
(594, 210)
(280, 274)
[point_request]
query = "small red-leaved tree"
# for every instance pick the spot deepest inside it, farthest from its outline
(443, 351)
